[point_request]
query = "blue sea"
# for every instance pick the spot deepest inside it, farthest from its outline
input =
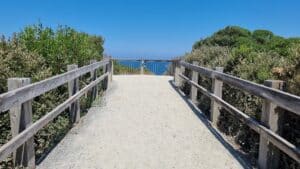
(157, 68)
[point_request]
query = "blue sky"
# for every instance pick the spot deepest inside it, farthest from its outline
(153, 28)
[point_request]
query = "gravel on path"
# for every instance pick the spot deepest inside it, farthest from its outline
(142, 123)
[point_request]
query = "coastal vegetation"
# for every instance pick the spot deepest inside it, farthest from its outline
(257, 56)
(40, 52)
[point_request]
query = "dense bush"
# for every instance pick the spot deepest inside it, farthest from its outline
(62, 46)
(39, 52)
(256, 56)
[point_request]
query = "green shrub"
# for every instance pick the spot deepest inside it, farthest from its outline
(225, 37)
(209, 56)
(40, 52)
(256, 56)
(62, 46)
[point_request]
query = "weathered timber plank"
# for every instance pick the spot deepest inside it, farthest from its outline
(201, 70)
(110, 70)
(217, 87)
(275, 139)
(23, 94)
(194, 90)
(15, 142)
(285, 100)
(73, 87)
(176, 74)
(105, 80)
(20, 119)
(268, 156)
(93, 74)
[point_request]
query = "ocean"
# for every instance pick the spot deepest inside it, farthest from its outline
(157, 68)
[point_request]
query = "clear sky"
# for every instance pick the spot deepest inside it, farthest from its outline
(152, 28)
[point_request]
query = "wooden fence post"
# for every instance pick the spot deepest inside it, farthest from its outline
(217, 90)
(142, 67)
(105, 81)
(176, 72)
(111, 69)
(182, 71)
(179, 69)
(194, 90)
(171, 70)
(73, 86)
(268, 154)
(20, 119)
(93, 73)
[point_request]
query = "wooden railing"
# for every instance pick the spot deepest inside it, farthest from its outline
(18, 101)
(267, 128)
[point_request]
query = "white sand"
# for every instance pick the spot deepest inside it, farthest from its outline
(143, 123)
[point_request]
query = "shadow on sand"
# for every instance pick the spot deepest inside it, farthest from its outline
(236, 154)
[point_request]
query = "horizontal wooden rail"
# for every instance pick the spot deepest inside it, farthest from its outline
(285, 100)
(278, 141)
(21, 138)
(18, 100)
(269, 126)
(20, 95)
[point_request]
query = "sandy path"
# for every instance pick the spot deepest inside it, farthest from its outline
(143, 123)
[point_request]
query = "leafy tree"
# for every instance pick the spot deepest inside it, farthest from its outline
(62, 46)
(225, 37)
(262, 36)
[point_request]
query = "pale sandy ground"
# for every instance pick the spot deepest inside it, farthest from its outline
(142, 124)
